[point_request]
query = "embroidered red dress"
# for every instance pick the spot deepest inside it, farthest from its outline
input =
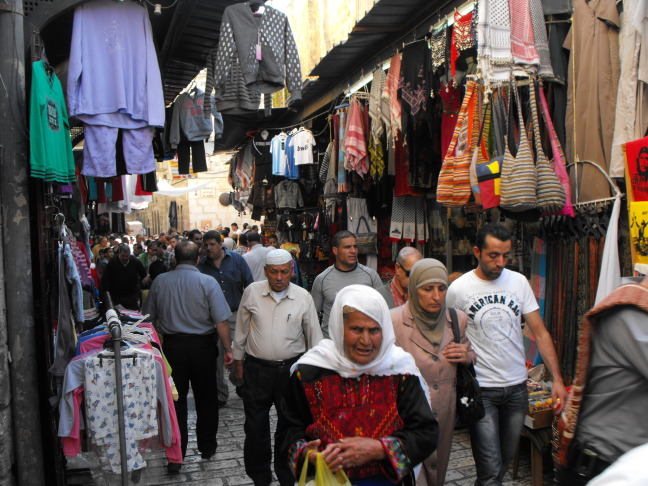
(320, 404)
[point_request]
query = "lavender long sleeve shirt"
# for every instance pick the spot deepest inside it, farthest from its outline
(114, 76)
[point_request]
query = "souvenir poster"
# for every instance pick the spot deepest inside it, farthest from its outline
(637, 165)
(639, 231)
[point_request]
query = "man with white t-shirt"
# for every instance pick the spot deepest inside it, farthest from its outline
(495, 300)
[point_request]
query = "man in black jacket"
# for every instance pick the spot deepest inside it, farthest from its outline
(122, 278)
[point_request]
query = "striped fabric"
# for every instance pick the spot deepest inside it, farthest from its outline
(453, 189)
(551, 193)
(355, 145)
(390, 93)
(519, 179)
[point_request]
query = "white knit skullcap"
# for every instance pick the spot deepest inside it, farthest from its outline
(277, 257)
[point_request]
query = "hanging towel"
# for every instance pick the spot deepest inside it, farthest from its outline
(355, 144)
(610, 272)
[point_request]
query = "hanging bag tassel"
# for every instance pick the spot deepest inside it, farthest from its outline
(519, 179)
(550, 192)
(453, 189)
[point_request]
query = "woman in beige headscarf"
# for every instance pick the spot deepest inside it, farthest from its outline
(423, 327)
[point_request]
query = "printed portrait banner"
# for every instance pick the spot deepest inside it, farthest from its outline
(637, 166)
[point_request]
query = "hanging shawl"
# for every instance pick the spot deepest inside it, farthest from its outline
(390, 93)
(341, 174)
(540, 39)
(632, 294)
(355, 145)
(461, 39)
(494, 39)
(522, 41)
(378, 107)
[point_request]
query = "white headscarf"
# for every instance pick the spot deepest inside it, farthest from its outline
(329, 353)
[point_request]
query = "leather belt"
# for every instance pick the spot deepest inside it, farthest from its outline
(272, 364)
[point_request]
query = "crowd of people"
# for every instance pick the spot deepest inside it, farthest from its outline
(361, 372)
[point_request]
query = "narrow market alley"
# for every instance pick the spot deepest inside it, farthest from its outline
(226, 467)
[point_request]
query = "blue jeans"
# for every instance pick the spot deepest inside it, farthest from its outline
(495, 437)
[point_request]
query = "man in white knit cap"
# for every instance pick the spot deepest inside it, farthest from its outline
(276, 323)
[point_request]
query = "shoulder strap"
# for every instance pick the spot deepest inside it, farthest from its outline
(455, 325)
(362, 218)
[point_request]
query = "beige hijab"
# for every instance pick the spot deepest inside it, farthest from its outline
(424, 272)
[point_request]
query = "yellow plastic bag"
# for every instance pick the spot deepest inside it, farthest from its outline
(323, 475)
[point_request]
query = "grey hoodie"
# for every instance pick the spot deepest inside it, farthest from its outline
(188, 117)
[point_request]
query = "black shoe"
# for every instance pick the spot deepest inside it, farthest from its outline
(208, 454)
(173, 467)
(222, 403)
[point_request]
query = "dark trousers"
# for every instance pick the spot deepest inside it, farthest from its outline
(583, 466)
(128, 301)
(194, 151)
(193, 360)
(263, 386)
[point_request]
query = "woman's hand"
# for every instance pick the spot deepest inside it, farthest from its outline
(313, 445)
(456, 353)
(352, 452)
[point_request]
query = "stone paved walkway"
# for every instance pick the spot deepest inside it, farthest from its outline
(226, 468)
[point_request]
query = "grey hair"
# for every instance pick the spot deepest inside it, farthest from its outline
(405, 252)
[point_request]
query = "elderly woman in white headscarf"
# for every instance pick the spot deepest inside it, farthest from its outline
(358, 398)
(423, 327)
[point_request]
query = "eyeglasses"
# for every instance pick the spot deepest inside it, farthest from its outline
(406, 272)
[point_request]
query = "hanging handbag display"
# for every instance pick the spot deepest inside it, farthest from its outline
(550, 192)
(323, 475)
(519, 179)
(480, 154)
(470, 407)
(367, 242)
(489, 171)
(453, 188)
(559, 162)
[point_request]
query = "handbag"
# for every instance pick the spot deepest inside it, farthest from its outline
(453, 188)
(518, 180)
(470, 407)
(489, 171)
(323, 475)
(551, 193)
(559, 162)
(367, 242)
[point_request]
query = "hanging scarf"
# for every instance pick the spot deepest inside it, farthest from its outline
(390, 94)
(632, 294)
(540, 39)
(522, 41)
(378, 107)
(341, 174)
(329, 353)
(494, 38)
(424, 272)
(461, 39)
(355, 145)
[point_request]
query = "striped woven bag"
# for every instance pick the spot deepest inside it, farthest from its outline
(453, 188)
(518, 180)
(550, 192)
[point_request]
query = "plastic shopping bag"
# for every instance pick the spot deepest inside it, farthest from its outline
(323, 475)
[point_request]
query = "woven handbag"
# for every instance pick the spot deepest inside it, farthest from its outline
(550, 192)
(480, 156)
(453, 188)
(519, 179)
(559, 162)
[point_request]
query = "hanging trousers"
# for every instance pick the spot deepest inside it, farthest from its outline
(194, 152)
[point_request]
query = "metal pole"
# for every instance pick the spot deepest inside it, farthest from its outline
(16, 240)
(114, 328)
